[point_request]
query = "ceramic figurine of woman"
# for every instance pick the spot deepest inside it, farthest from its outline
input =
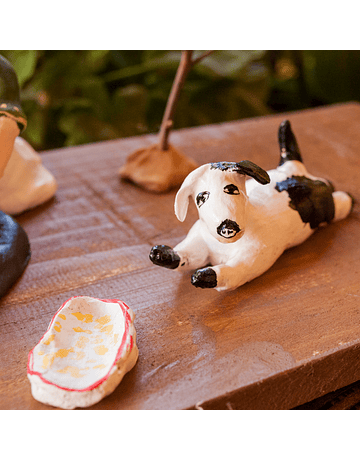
(24, 182)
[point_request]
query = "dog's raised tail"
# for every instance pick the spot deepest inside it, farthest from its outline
(289, 149)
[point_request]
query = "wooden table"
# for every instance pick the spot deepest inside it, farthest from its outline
(286, 338)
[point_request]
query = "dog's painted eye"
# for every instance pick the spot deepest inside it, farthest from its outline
(201, 198)
(231, 189)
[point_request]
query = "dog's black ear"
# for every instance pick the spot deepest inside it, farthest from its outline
(244, 167)
(251, 169)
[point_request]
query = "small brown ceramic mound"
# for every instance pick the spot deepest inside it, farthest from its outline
(157, 170)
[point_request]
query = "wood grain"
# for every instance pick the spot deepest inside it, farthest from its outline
(286, 338)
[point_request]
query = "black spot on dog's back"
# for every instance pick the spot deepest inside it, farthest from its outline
(312, 199)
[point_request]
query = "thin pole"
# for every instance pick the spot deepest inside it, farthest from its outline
(167, 121)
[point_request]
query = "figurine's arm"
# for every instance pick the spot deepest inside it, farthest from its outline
(9, 130)
(193, 251)
(190, 254)
(253, 259)
(223, 277)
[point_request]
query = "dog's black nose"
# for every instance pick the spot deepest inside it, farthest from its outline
(228, 229)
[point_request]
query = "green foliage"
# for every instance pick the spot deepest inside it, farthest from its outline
(74, 97)
(302, 79)
(333, 76)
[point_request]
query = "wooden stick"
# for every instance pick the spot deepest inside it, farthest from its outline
(186, 63)
(201, 57)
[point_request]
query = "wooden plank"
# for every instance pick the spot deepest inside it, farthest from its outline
(282, 340)
(347, 398)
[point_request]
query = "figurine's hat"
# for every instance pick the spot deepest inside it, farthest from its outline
(10, 94)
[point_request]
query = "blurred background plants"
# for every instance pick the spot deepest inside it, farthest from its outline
(76, 97)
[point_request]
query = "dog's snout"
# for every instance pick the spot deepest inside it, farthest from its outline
(228, 229)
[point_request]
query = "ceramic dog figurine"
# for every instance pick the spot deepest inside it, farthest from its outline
(244, 226)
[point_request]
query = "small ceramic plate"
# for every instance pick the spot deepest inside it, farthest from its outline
(89, 346)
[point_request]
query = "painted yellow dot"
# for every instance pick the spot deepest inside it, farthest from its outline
(49, 339)
(74, 371)
(79, 329)
(45, 362)
(62, 316)
(99, 366)
(63, 352)
(102, 321)
(48, 360)
(101, 350)
(107, 329)
(41, 352)
(86, 318)
(57, 326)
(97, 339)
(81, 343)
(115, 338)
(80, 355)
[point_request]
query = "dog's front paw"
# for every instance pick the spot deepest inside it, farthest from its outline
(164, 256)
(204, 278)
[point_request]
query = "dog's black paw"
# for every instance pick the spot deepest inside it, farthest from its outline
(204, 278)
(164, 256)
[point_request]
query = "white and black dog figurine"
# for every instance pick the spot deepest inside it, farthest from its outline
(244, 226)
